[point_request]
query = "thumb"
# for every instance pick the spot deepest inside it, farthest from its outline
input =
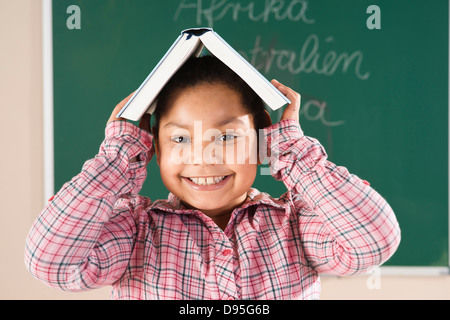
(118, 108)
(293, 109)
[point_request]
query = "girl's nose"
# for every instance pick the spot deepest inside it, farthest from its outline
(205, 149)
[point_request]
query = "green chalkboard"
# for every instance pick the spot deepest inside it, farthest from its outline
(374, 85)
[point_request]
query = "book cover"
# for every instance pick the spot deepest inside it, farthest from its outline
(190, 43)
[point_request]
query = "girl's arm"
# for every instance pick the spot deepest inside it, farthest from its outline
(81, 240)
(346, 226)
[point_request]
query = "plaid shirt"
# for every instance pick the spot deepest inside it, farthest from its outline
(98, 231)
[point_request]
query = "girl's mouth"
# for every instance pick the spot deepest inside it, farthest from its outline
(207, 183)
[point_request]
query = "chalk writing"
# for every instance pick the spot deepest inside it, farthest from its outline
(256, 11)
(308, 60)
(313, 110)
(311, 106)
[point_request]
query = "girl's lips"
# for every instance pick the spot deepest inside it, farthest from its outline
(209, 187)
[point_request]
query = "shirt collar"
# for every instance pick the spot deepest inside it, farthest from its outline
(254, 197)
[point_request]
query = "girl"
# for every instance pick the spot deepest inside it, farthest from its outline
(215, 237)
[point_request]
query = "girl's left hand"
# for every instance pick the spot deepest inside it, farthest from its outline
(293, 109)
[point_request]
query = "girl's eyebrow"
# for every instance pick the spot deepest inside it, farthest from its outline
(226, 121)
(221, 123)
(175, 124)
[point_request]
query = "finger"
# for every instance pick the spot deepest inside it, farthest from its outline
(293, 109)
(117, 109)
(292, 95)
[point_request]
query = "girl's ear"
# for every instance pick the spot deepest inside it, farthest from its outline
(144, 123)
(263, 154)
(155, 140)
(267, 120)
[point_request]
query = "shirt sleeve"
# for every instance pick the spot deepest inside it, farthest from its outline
(345, 225)
(79, 241)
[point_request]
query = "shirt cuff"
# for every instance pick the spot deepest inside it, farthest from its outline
(119, 128)
(281, 135)
(141, 140)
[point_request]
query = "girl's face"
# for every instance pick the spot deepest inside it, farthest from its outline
(207, 148)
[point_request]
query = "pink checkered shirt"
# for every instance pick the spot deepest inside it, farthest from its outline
(98, 231)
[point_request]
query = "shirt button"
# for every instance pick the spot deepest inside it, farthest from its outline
(226, 252)
(366, 182)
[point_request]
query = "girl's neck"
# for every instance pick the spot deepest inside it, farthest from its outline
(221, 216)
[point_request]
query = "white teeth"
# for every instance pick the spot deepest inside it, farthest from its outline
(218, 179)
(207, 181)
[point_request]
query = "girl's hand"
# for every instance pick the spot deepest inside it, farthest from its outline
(293, 109)
(117, 109)
(144, 123)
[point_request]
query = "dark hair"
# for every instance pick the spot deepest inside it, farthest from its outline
(208, 69)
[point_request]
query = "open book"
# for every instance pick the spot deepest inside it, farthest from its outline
(188, 44)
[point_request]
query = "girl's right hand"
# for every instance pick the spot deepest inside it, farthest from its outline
(144, 123)
(117, 109)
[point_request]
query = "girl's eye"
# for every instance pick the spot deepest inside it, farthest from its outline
(227, 137)
(180, 139)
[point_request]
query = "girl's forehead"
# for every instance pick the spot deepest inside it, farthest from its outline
(207, 102)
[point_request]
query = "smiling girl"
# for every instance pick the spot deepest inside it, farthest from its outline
(214, 237)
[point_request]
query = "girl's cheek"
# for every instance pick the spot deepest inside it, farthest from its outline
(177, 155)
(246, 151)
(243, 151)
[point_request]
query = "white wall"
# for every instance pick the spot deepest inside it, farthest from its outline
(21, 188)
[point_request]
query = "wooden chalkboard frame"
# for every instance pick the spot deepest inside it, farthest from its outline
(48, 138)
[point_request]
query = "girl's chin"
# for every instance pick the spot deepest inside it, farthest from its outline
(204, 207)
(215, 206)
